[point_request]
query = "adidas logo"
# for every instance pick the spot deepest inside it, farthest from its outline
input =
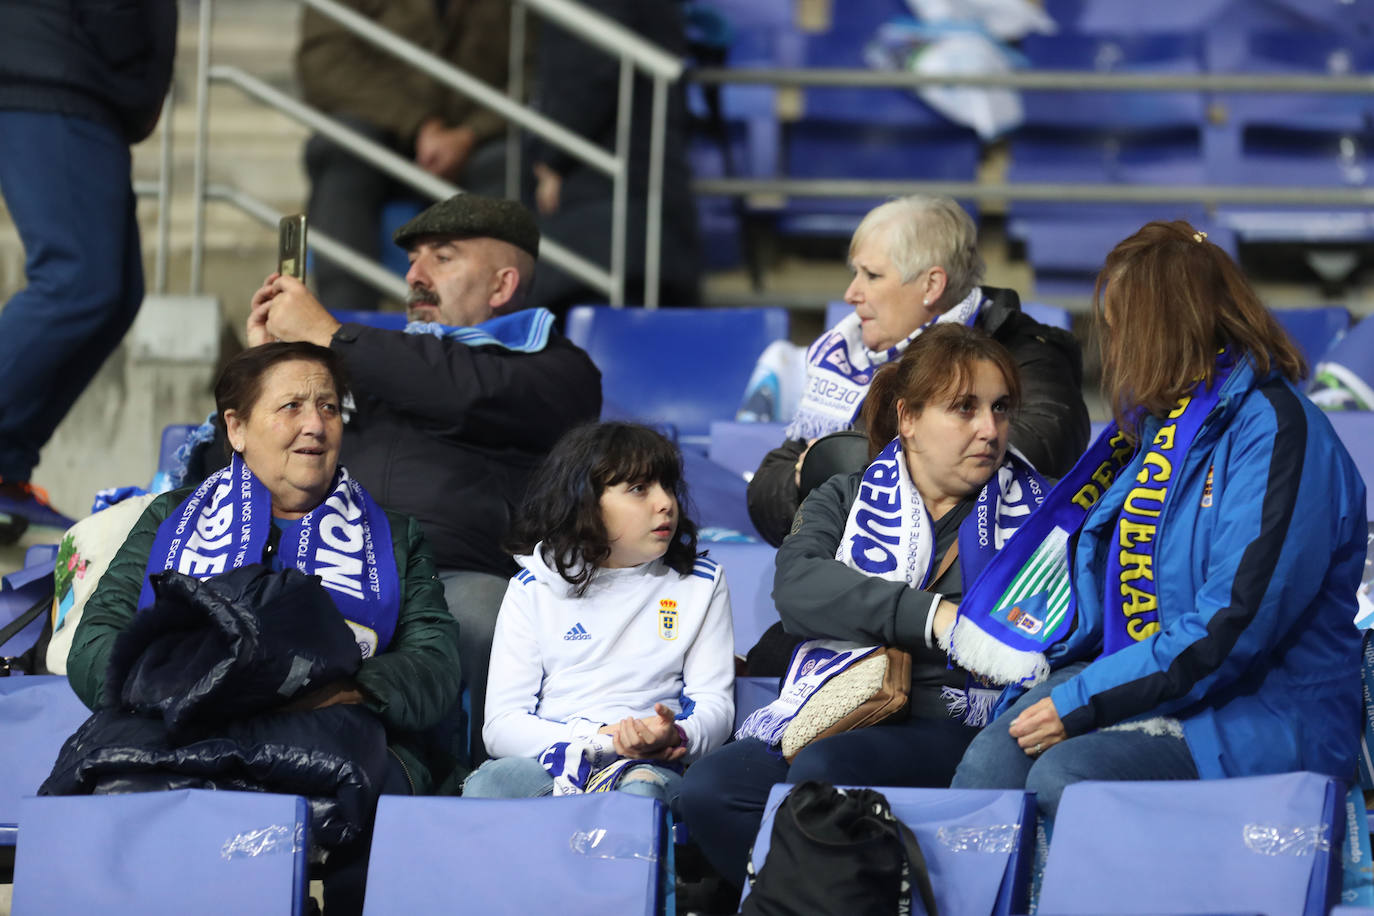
(577, 632)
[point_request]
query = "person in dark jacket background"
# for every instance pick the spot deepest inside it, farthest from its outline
(576, 85)
(79, 82)
(285, 502)
(453, 415)
(916, 263)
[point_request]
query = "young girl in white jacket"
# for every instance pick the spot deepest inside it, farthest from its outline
(613, 661)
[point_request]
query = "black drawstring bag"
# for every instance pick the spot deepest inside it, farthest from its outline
(839, 852)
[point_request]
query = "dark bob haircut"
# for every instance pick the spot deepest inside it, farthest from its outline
(562, 507)
(240, 381)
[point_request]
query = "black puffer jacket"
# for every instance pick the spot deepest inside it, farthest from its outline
(1050, 429)
(194, 697)
(108, 61)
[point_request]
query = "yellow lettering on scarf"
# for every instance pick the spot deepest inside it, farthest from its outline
(1133, 533)
(1183, 403)
(1160, 463)
(1136, 566)
(1145, 494)
(1141, 629)
(1104, 474)
(1165, 437)
(1085, 497)
(1134, 601)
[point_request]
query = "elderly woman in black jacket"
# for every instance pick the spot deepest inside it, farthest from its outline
(916, 264)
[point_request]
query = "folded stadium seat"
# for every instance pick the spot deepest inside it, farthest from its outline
(740, 447)
(1051, 315)
(1294, 139)
(20, 591)
(387, 321)
(184, 851)
(977, 844)
(749, 574)
(1314, 329)
(37, 715)
(584, 854)
(1356, 430)
(753, 693)
(864, 133)
(1262, 844)
(1103, 137)
(679, 366)
(717, 498)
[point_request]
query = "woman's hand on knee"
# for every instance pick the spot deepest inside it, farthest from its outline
(1038, 728)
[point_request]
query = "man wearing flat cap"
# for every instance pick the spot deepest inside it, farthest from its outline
(452, 414)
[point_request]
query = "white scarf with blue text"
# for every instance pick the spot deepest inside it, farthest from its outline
(839, 369)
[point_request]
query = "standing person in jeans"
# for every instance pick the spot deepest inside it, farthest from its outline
(79, 82)
(396, 104)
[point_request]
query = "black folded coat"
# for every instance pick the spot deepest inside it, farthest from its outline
(194, 693)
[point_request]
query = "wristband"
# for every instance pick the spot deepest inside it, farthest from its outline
(681, 735)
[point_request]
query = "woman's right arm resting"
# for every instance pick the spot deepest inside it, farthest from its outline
(112, 605)
(820, 598)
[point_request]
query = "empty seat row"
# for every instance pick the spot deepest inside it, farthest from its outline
(1267, 844)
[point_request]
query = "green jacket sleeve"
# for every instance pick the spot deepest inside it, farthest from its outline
(417, 680)
(112, 604)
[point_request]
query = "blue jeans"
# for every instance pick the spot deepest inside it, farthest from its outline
(524, 777)
(66, 184)
(995, 761)
(723, 794)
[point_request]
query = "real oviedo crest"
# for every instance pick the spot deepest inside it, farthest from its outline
(667, 618)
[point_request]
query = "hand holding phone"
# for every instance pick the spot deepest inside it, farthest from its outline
(291, 246)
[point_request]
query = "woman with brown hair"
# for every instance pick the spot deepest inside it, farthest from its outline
(880, 558)
(1220, 539)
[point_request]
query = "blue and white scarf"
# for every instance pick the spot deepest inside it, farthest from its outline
(839, 369)
(589, 765)
(889, 534)
(1023, 603)
(346, 541)
(526, 331)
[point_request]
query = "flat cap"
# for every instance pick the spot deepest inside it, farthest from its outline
(474, 216)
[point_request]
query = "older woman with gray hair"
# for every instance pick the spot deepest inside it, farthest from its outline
(916, 264)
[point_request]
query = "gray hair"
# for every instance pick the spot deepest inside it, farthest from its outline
(927, 232)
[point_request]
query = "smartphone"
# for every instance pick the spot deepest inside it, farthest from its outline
(291, 246)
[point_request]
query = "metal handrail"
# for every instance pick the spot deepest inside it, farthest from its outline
(386, 160)
(602, 32)
(1069, 193)
(1090, 80)
(611, 37)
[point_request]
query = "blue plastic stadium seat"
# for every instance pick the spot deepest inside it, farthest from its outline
(1260, 844)
(37, 715)
(153, 853)
(749, 574)
(582, 854)
(395, 214)
(977, 844)
(1294, 139)
(753, 693)
(739, 447)
(681, 366)
(1356, 430)
(1314, 329)
(21, 589)
(387, 321)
